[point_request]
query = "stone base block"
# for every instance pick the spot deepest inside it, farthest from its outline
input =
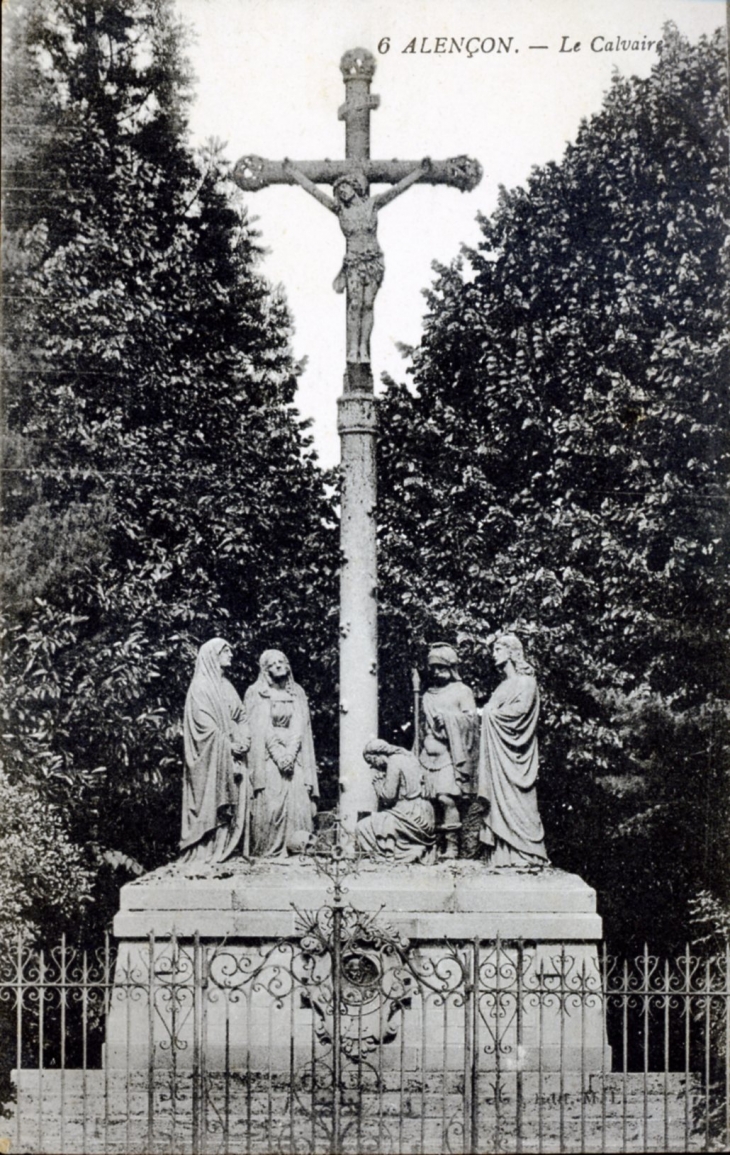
(110, 1112)
(439, 968)
(455, 901)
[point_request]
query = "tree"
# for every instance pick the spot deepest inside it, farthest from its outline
(560, 467)
(165, 489)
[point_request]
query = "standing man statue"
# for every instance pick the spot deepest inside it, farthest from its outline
(449, 749)
(508, 762)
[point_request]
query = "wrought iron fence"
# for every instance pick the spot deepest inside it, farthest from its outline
(349, 1039)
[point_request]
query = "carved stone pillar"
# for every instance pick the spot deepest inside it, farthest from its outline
(358, 594)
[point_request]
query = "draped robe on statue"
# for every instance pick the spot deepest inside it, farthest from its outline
(214, 808)
(508, 766)
(280, 729)
(405, 830)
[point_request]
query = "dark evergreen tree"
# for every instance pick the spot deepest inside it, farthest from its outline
(162, 486)
(561, 467)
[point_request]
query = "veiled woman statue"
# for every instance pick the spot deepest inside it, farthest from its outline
(281, 759)
(508, 762)
(216, 740)
(405, 830)
(449, 749)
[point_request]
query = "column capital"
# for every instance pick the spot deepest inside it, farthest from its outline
(357, 413)
(357, 64)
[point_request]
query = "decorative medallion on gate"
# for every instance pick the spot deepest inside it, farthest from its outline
(362, 980)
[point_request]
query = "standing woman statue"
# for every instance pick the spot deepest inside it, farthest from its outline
(449, 748)
(214, 810)
(283, 767)
(363, 268)
(508, 762)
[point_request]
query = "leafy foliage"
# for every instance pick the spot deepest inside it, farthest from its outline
(711, 922)
(560, 468)
(162, 486)
(45, 882)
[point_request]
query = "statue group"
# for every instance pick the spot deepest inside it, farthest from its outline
(468, 789)
(250, 780)
(471, 780)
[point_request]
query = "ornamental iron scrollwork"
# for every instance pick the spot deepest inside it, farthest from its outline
(375, 982)
(379, 1044)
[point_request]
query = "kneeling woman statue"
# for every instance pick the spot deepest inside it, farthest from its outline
(405, 830)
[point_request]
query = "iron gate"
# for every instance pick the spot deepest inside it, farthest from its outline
(347, 1039)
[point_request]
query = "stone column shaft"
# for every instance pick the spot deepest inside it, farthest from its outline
(358, 602)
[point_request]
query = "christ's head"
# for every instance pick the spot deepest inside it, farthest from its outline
(349, 188)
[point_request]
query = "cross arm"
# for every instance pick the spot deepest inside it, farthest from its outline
(395, 190)
(253, 172)
(310, 187)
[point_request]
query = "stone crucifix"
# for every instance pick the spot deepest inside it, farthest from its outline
(360, 277)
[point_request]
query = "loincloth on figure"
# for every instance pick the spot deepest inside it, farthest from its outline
(360, 271)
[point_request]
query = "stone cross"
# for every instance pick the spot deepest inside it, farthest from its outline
(360, 278)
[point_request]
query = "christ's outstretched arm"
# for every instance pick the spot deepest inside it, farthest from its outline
(385, 198)
(310, 187)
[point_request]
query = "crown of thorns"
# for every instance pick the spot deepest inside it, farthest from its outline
(356, 180)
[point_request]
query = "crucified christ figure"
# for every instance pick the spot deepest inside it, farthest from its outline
(363, 268)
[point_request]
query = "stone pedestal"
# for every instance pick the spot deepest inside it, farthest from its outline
(440, 968)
